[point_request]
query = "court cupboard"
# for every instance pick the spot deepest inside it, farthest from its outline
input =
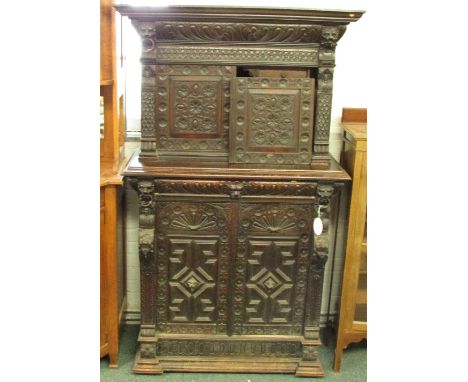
(233, 169)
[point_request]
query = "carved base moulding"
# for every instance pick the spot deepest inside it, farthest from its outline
(228, 354)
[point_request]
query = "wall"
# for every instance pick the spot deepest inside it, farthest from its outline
(350, 90)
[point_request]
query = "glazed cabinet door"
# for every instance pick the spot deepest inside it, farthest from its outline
(192, 247)
(273, 251)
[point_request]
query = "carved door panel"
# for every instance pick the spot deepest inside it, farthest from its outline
(272, 120)
(192, 109)
(192, 249)
(273, 251)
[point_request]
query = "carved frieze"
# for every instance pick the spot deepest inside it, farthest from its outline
(245, 189)
(237, 55)
(236, 32)
(219, 348)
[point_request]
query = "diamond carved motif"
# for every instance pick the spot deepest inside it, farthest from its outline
(192, 281)
(270, 282)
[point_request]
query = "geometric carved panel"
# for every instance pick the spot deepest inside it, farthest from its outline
(272, 120)
(271, 274)
(193, 272)
(192, 248)
(272, 255)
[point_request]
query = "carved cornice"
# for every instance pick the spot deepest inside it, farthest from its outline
(248, 14)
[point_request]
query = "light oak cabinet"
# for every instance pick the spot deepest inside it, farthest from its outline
(112, 299)
(352, 325)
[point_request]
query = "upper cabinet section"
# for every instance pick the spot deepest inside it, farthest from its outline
(238, 85)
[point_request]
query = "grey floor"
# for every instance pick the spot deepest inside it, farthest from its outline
(353, 367)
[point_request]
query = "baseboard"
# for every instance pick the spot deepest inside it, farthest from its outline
(132, 317)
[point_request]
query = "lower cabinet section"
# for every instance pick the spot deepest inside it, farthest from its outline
(231, 275)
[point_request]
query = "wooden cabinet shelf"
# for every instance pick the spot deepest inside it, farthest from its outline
(107, 82)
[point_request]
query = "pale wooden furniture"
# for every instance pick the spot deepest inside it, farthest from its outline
(353, 309)
(111, 275)
(233, 168)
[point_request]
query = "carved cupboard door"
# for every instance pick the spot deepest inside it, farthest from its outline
(271, 265)
(192, 252)
(192, 110)
(272, 120)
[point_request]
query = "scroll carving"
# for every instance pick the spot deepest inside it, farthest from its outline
(236, 188)
(236, 32)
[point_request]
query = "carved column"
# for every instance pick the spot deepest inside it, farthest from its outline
(317, 263)
(147, 31)
(329, 37)
(145, 189)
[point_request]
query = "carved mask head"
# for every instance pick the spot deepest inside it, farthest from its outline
(145, 187)
(147, 29)
(330, 34)
(325, 191)
(326, 75)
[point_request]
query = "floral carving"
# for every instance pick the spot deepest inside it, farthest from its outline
(272, 113)
(195, 106)
(148, 350)
(272, 119)
(192, 114)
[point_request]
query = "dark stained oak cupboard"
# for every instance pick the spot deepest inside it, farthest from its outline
(233, 168)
